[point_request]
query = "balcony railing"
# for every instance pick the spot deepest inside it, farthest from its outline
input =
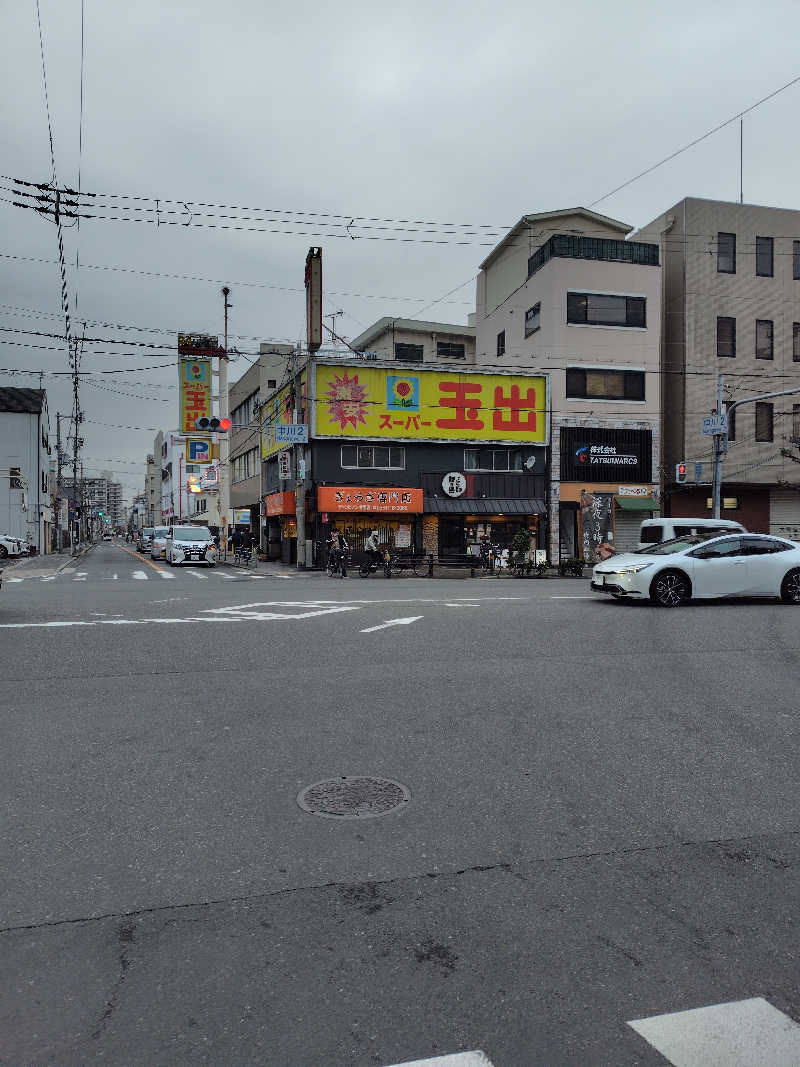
(567, 246)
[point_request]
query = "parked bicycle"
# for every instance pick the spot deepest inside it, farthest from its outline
(397, 565)
(243, 556)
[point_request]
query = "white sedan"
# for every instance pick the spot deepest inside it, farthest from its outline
(9, 546)
(698, 568)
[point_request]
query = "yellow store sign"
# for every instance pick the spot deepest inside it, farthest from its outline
(279, 411)
(429, 405)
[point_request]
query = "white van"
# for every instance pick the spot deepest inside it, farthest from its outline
(654, 531)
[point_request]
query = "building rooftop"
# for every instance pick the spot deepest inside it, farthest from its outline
(22, 401)
(415, 325)
(553, 216)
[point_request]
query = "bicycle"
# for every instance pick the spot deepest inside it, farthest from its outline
(337, 564)
(397, 565)
(242, 556)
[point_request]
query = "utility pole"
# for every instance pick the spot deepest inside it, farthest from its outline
(300, 463)
(59, 485)
(224, 439)
(720, 448)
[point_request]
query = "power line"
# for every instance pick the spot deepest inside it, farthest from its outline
(696, 141)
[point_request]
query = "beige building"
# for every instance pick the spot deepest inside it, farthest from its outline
(732, 292)
(416, 341)
(565, 294)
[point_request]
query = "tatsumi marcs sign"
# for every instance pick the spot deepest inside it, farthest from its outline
(600, 454)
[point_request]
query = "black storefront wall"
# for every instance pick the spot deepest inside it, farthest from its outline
(606, 455)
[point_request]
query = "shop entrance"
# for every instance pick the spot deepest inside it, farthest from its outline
(459, 534)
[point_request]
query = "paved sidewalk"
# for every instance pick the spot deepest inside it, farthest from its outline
(41, 566)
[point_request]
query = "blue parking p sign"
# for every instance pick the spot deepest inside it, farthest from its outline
(198, 450)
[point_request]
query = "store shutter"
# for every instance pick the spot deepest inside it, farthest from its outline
(627, 525)
(784, 513)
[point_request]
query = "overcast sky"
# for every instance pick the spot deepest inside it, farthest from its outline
(465, 113)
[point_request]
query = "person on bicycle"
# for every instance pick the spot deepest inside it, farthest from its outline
(372, 549)
(339, 547)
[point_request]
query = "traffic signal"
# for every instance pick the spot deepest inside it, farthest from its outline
(213, 424)
(680, 472)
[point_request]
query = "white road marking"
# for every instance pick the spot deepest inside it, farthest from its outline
(393, 622)
(80, 576)
(15, 579)
(49, 578)
(140, 575)
(742, 1033)
(462, 605)
(194, 574)
(456, 1059)
(245, 611)
(572, 598)
(165, 574)
(169, 600)
(110, 578)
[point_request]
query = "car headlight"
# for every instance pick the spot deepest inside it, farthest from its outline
(634, 568)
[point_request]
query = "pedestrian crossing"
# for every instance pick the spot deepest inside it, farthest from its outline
(139, 575)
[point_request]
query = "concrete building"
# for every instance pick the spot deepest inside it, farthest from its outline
(26, 507)
(732, 292)
(416, 341)
(185, 462)
(566, 294)
(152, 482)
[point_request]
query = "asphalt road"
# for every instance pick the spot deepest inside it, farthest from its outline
(602, 824)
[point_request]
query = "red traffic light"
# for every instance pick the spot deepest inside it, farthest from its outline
(680, 472)
(225, 424)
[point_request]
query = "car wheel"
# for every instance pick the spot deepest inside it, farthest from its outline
(790, 588)
(3, 552)
(670, 589)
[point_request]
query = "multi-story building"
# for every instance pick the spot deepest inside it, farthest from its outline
(732, 296)
(566, 295)
(26, 509)
(152, 482)
(415, 341)
(185, 462)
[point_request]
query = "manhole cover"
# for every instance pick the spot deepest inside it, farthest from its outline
(353, 798)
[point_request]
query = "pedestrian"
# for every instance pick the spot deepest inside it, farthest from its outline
(372, 549)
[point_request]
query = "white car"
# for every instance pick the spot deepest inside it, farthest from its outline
(701, 568)
(190, 544)
(158, 544)
(9, 546)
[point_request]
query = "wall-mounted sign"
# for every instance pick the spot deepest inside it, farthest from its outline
(194, 391)
(241, 516)
(366, 499)
(402, 536)
(634, 490)
(597, 525)
(280, 504)
(454, 484)
(278, 411)
(293, 434)
(381, 403)
(285, 466)
(604, 455)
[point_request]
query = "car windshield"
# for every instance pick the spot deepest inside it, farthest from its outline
(191, 533)
(161, 531)
(677, 544)
(147, 532)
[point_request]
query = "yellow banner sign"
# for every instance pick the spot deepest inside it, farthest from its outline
(429, 405)
(194, 379)
(279, 411)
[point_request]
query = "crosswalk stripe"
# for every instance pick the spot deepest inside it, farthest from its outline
(165, 574)
(455, 1059)
(140, 575)
(741, 1033)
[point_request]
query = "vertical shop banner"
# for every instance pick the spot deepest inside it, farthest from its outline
(278, 410)
(377, 403)
(597, 525)
(194, 391)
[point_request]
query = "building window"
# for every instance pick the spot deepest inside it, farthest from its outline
(796, 260)
(764, 257)
(408, 353)
(589, 384)
(796, 342)
(731, 420)
(271, 383)
(449, 350)
(600, 309)
(379, 457)
(796, 424)
(493, 459)
(764, 429)
(764, 345)
(533, 318)
(726, 336)
(726, 253)
(501, 343)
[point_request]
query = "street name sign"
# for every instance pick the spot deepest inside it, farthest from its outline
(714, 424)
(293, 434)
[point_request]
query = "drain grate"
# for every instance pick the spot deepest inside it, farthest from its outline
(353, 798)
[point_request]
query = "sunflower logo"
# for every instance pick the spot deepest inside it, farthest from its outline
(402, 392)
(347, 401)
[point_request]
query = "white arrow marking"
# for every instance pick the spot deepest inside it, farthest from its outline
(393, 622)
(140, 575)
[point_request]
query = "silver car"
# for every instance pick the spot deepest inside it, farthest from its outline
(158, 544)
(145, 539)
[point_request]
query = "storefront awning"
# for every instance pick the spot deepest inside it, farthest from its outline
(443, 505)
(636, 503)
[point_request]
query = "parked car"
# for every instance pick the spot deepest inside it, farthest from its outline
(654, 531)
(698, 567)
(145, 539)
(190, 544)
(9, 546)
(158, 544)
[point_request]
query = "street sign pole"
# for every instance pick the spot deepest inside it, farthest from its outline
(716, 488)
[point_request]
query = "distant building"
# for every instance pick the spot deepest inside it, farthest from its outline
(732, 294)
(417, 341)
(26, 508)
